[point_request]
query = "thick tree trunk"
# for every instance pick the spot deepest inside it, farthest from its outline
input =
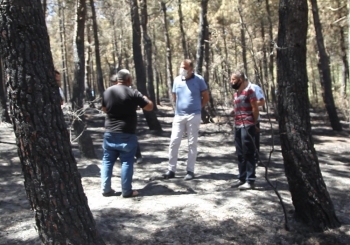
(309, 193)
(4, 115)
(183, 37)
(325, 73)
(169, 67)
(86, 146)
(148, 52)
(99, 81)
(151, 117)
(51, 177)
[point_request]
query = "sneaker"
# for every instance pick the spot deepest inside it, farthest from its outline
(189, 175)
(169, 175)
(237, 183)
(247, 186)
(109, 194)
(139, 160)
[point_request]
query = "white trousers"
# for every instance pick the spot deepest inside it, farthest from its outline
(190, 123)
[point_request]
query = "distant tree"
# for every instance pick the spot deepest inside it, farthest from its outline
(311, 200)
(147, 43)
(51, 177)
(183, 36)
(325, 72)
(151, 117)
(203, 51)
(97, 50)
(84, 139)
(169, 66)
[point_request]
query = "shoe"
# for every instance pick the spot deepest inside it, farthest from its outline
(169, 175)
(132, 194)
(237, 183)
(189, 175)
(139, 160)
(109, 194)
(247, 186)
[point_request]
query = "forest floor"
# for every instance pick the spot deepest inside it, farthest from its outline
(205, 210)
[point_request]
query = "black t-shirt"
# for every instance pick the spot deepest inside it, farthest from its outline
(121, 103)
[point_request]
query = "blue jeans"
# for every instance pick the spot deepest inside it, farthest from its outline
(244, 141)
(123, 146)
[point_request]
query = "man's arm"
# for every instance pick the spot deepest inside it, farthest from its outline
(261, 102)
(205, 97)
(174, 97)
(149, 106)
(255, 110)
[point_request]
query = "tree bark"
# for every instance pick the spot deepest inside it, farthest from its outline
(51, 177)
(309, 193)
(148, 52)
(169, 67)
(151, 117)
(325, 73)
(100, 86)
(86, 146)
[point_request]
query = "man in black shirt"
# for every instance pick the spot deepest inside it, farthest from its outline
(120, 103)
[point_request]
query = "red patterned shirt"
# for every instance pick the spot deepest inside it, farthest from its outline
(243, 108)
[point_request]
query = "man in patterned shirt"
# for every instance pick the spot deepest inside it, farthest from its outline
(246, 114)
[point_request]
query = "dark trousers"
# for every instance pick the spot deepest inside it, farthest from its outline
(244, 141)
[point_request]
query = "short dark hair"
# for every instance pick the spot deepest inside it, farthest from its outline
(189, 62)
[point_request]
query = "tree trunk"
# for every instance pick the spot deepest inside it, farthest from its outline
(325, 73)
(151, 117)
(183, 37)
(148, 52)
(202, 35)
(86, 146)
(243, 43)
(4, 115)
(309, 193)
(64, 72)
(100, 86)
(51, 177)
(169, 67)
(272, 85)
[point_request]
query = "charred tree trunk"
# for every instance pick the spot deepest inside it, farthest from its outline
(4, 115)
(309, 193)
(325, 73)
(151, 117)
(99, 74)
(169, 67)
(51, 177)
(86, 146)
(148, 52)
(183, 36)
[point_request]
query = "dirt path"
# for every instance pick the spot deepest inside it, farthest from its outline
(203, 211)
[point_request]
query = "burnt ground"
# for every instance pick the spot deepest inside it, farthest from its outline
(203, 211)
